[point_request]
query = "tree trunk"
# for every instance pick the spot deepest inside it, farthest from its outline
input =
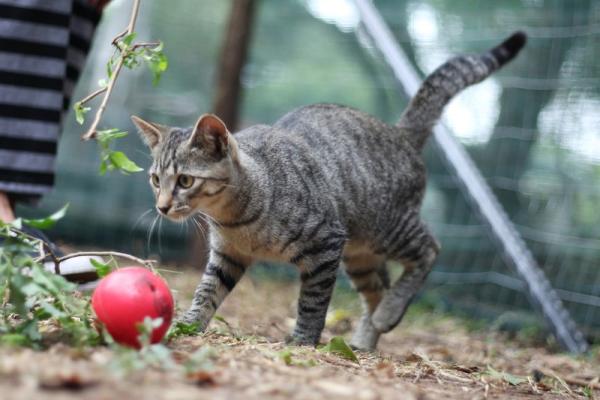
(226, 101)
(233, 58)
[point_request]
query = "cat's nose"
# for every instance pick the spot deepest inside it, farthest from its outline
(164, 210)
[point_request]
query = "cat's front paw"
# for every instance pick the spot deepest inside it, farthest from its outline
(301, 340)
(192, 317)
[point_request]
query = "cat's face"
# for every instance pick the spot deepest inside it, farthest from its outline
(192, 168)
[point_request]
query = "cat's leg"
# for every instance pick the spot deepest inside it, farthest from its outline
(318, 262)
(369, 276)
(417, 251)
(223, 270)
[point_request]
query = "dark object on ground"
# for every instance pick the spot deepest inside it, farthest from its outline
(77, 269)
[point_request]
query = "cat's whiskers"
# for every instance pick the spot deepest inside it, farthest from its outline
(199, 227)
(148, 156)
(139, 219)
(181, 223)
(210, 220)
(202, 218)
(150, 232)
(159, 232)
(187, 225)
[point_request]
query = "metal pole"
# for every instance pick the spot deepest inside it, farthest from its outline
(541, 292)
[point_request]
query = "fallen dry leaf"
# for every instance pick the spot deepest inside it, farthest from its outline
(202, 378)
(68, 381)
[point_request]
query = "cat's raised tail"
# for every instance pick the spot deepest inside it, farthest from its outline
(441, 85)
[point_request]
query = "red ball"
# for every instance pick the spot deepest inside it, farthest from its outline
(125, 297)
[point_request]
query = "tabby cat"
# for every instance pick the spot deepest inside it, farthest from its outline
(323, 186)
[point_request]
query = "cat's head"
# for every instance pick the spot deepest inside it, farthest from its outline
(192, 168)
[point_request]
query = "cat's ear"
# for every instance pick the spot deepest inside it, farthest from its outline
(211, 134)
(150, 132)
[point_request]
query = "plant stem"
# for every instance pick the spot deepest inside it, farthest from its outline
(116, 38)
(146, 263)
(145, 44)
(92, 95)
(47, 251)
(91, 133)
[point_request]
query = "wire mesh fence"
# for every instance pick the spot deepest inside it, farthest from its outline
(531, 128)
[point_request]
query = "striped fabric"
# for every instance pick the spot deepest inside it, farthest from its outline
(43, 47)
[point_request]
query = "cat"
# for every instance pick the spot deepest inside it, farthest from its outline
(324, 185)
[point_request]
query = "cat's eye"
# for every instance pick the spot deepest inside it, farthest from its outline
(154, 179)
(185, 181)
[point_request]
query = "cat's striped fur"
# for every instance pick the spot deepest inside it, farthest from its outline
(324, 185)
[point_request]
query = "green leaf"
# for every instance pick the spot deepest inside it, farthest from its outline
(14, 339)
(48, 222)
(180, 328)
(31, 289)
(103, 167)
(52, 310)
(158, 64)
(109, 68)
(337, 345)
(286, 356)
(146, 328)
(120, 161)
(159, 47)
(55, 285)
(17, 223)
(80, 112)
(128, 39)
(513, 380)
(131, 61)
(107, 135)
(30, 330)
(102, 269)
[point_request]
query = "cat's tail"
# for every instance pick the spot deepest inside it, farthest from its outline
(437, 90)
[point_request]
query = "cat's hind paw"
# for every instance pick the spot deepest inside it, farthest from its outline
(365, 337)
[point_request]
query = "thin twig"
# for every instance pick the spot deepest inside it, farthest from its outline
(570, 379)
(146, 263)
(91, 96)
(45, 249)
(145, 44)
(57, 260)
(91, 133)
(118, 37)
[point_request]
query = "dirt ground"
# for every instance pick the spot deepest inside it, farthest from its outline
(428, 357)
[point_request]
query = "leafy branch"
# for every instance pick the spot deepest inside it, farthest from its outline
(114, 254)
(34, 300)
(130, 55)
